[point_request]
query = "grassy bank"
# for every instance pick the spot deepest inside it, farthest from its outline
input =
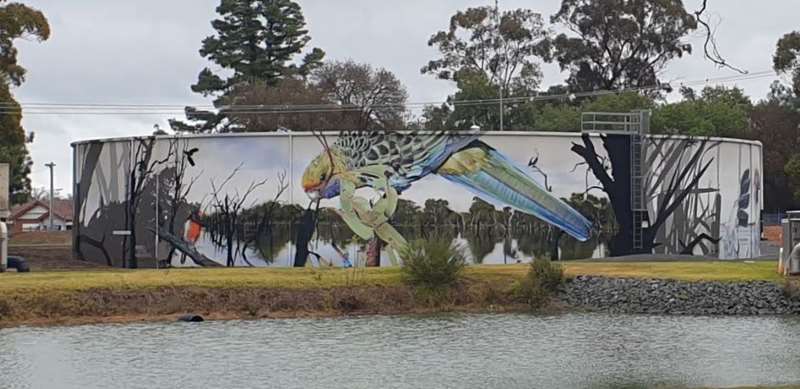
(333, 277)
(120, 295)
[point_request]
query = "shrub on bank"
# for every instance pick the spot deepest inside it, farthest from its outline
(432, 264)
(542, 280)
(5, 309)
(791, 289)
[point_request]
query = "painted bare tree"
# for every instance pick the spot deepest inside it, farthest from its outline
(228, 209)
(177, 186)
(555, 234)
(679, 183)
(143, 167)
(265, 226)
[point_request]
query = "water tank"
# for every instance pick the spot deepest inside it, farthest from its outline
(791, 242)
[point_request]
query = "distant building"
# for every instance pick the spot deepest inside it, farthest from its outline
(35, 216)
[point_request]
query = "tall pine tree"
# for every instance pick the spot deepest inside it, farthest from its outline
(256, 43)
(16, 21)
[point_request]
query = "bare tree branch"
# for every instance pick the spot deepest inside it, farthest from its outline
(710, 49)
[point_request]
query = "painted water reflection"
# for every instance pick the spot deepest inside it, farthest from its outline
(335, 242)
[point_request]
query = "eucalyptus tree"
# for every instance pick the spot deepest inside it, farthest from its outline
(787, 58)
(614, 44)
(488, 53)
(17, 21)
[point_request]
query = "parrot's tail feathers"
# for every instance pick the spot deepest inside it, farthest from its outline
(492, 176)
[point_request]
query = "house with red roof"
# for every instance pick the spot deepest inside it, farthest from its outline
(35, 216)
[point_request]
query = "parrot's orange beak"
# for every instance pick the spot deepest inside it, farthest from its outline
(311, 186)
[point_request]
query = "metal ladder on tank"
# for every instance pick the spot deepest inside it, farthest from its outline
(638, 206)
(638, 209)
(636, 125)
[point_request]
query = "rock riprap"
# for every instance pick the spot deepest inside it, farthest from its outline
(658, 296)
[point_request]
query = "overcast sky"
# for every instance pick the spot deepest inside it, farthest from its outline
(146, 52)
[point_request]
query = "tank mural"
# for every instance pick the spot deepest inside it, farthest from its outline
(390, 162)
(355, 198)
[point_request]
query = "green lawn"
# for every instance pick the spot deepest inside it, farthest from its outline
(325, 278)
(687, 271)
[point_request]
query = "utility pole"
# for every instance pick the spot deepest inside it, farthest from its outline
(4, 213)
(502, 78)
(158, 217)
(50, 213)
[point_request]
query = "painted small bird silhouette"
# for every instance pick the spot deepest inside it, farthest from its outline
(369, 158)
(189, 154)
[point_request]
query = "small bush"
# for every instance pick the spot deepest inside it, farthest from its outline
(433, 263)
(549, 274)
(5, 310)
(542, 280)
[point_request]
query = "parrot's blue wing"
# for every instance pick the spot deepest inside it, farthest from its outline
(492, 176)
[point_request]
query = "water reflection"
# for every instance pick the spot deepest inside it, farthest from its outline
(461, 351)
(276, 247)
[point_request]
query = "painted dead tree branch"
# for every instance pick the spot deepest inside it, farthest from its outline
(143, 167)
(533, 164)
(177, 187)
(554, 233)
(196, 256)
(265, 225)
(227, 210)
(679, 183)
(98, 244)
(617, 187)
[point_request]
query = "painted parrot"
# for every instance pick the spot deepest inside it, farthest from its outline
(380, 159)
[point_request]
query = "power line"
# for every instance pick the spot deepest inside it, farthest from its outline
(38, 108)
(284, 107)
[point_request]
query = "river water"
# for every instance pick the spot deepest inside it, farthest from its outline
(449, 351)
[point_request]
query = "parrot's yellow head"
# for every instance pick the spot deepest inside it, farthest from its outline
(319, 178)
